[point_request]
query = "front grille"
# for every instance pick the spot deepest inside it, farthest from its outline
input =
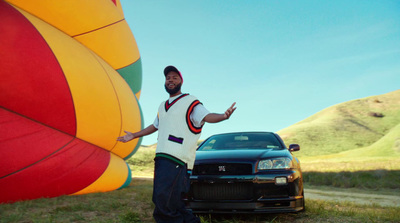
(222, 191)
(223, 169)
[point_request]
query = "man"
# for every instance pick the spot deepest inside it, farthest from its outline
(179, 123)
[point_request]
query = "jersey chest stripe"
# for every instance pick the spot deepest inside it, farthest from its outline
(168, 105)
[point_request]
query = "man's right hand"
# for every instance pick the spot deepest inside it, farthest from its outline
(126, 138)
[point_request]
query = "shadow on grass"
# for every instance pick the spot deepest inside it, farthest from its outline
(373, 179)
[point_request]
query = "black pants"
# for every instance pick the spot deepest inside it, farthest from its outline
(171, 180)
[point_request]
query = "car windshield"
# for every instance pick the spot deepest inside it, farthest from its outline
(241, 141)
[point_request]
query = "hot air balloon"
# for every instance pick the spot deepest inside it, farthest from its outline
(70, 80)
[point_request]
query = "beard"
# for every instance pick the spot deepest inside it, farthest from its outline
(174, 90)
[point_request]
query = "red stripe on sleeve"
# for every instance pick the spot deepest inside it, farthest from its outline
(191, 126)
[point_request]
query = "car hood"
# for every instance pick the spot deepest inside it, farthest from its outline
(240, 155)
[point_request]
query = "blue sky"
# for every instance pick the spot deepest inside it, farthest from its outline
(280, 61)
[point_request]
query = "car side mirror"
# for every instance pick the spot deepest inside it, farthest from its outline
(294, 147)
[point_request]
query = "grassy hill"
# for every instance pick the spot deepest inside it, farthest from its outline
(367, 127)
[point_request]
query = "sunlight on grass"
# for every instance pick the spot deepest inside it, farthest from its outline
(142, 163)
(336, 164)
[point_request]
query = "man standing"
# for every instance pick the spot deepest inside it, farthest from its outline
(179, 123)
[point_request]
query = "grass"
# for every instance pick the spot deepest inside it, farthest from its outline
(133, 204)
(372, 180)
(142, 163)
(318, 211)
(338, 165)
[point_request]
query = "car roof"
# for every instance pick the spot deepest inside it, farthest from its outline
(246, 132)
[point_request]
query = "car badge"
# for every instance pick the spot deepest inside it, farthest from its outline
(221, 168)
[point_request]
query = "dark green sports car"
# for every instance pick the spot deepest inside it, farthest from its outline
(246, 172)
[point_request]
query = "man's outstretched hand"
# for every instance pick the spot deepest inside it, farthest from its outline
(126, 138)
(214, 117)
(229, 111)
(144, 132)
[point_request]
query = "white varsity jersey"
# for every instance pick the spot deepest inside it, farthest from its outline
(177, 134)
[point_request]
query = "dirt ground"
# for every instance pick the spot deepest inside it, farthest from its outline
(351, 196)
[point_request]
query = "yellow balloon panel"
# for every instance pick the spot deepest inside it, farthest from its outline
(130, 111)
(96, 104)
(78, 66)
(115, 44)
(113, 178)
(71, 16)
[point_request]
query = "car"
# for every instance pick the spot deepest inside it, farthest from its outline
(245, 172)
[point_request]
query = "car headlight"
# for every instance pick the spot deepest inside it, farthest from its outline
(275, 163)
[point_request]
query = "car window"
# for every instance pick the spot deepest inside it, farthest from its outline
(241, 141)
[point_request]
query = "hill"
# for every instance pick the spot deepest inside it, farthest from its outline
(367, 127)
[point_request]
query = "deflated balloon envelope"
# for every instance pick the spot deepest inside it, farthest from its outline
(70, 81)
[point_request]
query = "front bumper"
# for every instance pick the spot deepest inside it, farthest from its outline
(263, 206)
(246, 193)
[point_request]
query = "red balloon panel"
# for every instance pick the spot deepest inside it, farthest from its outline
(71, 168)
(16, 142)
(31, 81)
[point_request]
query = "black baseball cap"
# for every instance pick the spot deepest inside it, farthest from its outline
(172, 68)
